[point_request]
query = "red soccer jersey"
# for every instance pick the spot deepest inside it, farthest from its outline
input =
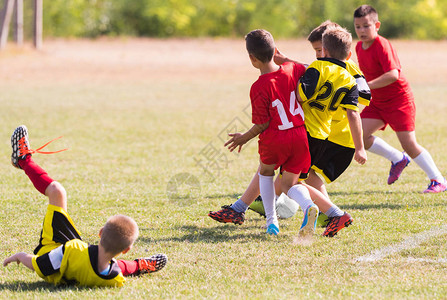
(273, 98)
(378, 59)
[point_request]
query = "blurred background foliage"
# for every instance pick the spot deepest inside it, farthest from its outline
(411, 19)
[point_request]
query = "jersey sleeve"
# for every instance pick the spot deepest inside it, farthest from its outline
(299, 70)
(259, 106)
(48, 263)
(350, 100)
(363, 89)
(308, 83)
(388, 57)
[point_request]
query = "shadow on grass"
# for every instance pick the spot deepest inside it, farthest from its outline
(339, 193)
(220, 196)
(368, 193)
(217, 234)
(19, 286)
(365, 206)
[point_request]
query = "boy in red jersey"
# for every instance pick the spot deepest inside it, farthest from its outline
(392, 102)
(61, 256)
(279, 121)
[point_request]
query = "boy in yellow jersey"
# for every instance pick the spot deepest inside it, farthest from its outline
(326, 86)
(61, 256)
(340, 147)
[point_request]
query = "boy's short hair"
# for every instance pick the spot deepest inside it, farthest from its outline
(260, 44)
(317, 33)
(337, 41)
(119, 233)
(366, 10)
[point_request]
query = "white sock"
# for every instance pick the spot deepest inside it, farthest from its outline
(301, 195)
(426, 163)
(382, 148)
(334, 211)
(267, 189)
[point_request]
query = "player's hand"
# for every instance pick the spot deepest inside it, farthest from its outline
(279, 58)
(236, 141)
(360, 156)
(12, 258)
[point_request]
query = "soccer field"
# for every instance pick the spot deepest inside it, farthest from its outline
(145, 121)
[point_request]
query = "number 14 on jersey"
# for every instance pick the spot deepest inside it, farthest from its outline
(294, 108)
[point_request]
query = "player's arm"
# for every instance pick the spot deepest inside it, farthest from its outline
(20, 257)
(384, 79)
(279, 58)
(355, 125)
(239, 139)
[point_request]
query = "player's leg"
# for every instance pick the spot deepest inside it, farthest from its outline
(378, 146)
(58, 227)
(267, 191)
(22, 159)
(249, 196)
(369, 126)
(315, 181)
(334, 162)
(300, 194)
(57, 195)
(338, 219)
(424, 160)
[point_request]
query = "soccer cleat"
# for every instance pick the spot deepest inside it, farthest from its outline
(436, 187)
(397, 168)
(151, 264)
(20, 146)
(272, 229)
(336, 224)
(227, 215)
(309, 222)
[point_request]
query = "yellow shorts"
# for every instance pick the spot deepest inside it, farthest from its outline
(58, 228)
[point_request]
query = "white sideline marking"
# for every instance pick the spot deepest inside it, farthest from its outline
(411, 242)
(436, 261)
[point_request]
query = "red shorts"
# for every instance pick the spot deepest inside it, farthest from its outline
(399, 115)
(286, 148)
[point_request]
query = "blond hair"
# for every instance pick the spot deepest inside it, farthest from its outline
(118, 234)
(337, 42)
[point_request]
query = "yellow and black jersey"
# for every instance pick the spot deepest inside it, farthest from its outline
(325, 86)
(76, 262)
(340, 131)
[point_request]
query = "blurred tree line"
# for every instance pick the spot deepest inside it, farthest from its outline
(415, 19)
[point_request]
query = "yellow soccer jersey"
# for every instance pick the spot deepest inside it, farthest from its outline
(340, 131)
(325, 86)
(76, 262)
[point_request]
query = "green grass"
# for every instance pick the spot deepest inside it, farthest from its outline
(128, 139)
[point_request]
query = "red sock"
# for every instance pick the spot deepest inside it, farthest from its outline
(36, 174)
(128, 267)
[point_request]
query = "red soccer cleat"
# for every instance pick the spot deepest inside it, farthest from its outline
(336, 224)
(227, 215)
(151, 264)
